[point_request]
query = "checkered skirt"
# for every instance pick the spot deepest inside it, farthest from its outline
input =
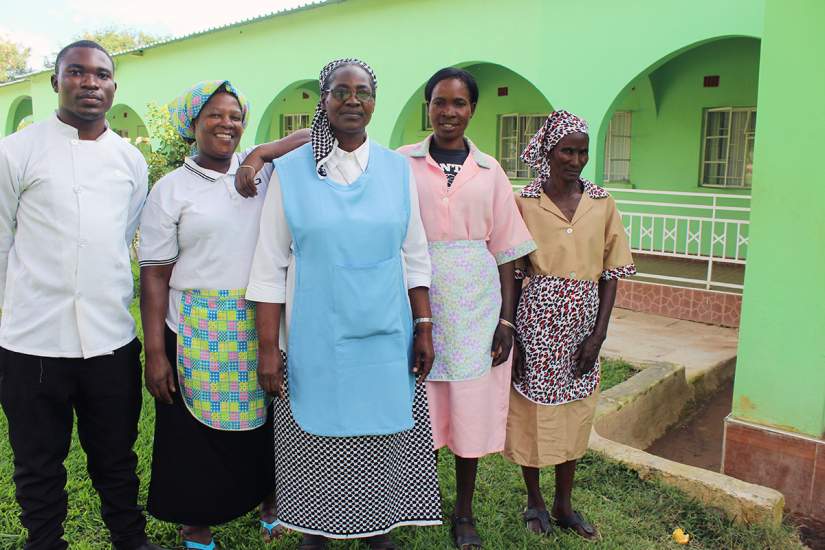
(355, 487)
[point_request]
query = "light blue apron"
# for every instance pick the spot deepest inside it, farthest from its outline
(350, 332)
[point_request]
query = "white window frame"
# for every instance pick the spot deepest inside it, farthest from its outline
(730, 182)
(294, 117)
(611, 140)
(522, 137)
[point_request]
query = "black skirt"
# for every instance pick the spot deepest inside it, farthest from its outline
(202, 476)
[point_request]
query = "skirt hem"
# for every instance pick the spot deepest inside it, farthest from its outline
(531, 400)
(339, 536)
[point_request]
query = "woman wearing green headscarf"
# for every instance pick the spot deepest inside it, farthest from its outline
(213, 457)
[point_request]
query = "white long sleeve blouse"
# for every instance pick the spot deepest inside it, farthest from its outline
(273, 266)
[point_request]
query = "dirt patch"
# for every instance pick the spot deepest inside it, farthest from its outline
(698, 440)
(811, 531)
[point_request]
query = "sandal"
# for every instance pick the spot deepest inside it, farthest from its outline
(465, 541)
(580, 526)
(190, 544)
(271, 530)
(540, 515)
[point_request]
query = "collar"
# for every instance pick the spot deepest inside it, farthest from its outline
(71, 132)
(533, 189)
(207, 174)
(422, 149)
(361, 155)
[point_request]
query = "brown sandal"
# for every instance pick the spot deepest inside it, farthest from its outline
(464, 542)
(580, 526)
(540, 515)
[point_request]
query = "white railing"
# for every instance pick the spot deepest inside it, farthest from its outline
(709, 227)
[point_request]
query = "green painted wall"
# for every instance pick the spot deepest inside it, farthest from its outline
(780, 371)
(126, 122)
(19, 110)
(585, 76)
(300, 97)
(667, 107)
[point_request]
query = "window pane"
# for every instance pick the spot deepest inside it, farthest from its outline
(617, 148)
(718, 123)
(716, 150)
(509, 125)
(714, 174)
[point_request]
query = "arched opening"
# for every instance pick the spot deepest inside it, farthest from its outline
(510, 110)
(20, 114)
(126, 123)
(686, 123)
(290, 110)
(675, 149)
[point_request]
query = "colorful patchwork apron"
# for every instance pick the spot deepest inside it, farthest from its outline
(465, 296)
(218, 360)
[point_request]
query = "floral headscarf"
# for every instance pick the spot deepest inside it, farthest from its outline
(323, 141)
(185, 109)
(537, 154)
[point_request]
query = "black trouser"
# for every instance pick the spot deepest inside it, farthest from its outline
(39, 396)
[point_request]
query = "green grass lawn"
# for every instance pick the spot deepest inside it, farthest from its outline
(631, 513)
(615, 371)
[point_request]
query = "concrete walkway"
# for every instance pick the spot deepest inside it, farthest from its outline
(642, 339)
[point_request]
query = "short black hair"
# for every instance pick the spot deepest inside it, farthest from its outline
(81, 44)
(452, 72)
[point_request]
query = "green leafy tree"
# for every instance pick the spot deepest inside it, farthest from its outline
(168, 148)
(118, 40)
(13, 59)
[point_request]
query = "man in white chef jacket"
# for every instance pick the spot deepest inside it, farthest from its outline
(71, 192)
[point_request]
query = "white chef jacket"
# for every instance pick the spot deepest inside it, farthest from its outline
(68, 213)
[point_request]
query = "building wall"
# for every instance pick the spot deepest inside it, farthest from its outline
(780, 374)
(582, 72)
(775, 435)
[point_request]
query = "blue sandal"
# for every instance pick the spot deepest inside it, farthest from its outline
(271, 530)
(198, 546)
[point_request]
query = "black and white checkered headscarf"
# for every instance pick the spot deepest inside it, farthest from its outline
(323, 141)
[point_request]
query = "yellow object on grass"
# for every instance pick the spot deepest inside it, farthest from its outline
(680, 536)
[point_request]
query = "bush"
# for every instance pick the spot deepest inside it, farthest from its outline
(168, 148)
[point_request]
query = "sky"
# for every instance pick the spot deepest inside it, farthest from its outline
(47, 25)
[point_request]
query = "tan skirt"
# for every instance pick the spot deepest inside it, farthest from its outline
(546, 435)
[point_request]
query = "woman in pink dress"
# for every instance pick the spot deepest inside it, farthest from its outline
(475, 234)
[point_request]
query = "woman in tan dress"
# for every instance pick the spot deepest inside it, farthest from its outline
(562, 317)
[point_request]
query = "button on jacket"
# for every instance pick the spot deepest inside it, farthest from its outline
(68, 212)
(591, 246)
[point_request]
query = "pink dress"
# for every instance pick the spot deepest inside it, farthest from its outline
(473, 226)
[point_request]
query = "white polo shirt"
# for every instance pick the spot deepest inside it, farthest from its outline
(68, 212)
(194, 218)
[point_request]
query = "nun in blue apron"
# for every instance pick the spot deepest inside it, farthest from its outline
(343, 248)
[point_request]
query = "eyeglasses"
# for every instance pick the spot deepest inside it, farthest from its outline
(342, 94)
